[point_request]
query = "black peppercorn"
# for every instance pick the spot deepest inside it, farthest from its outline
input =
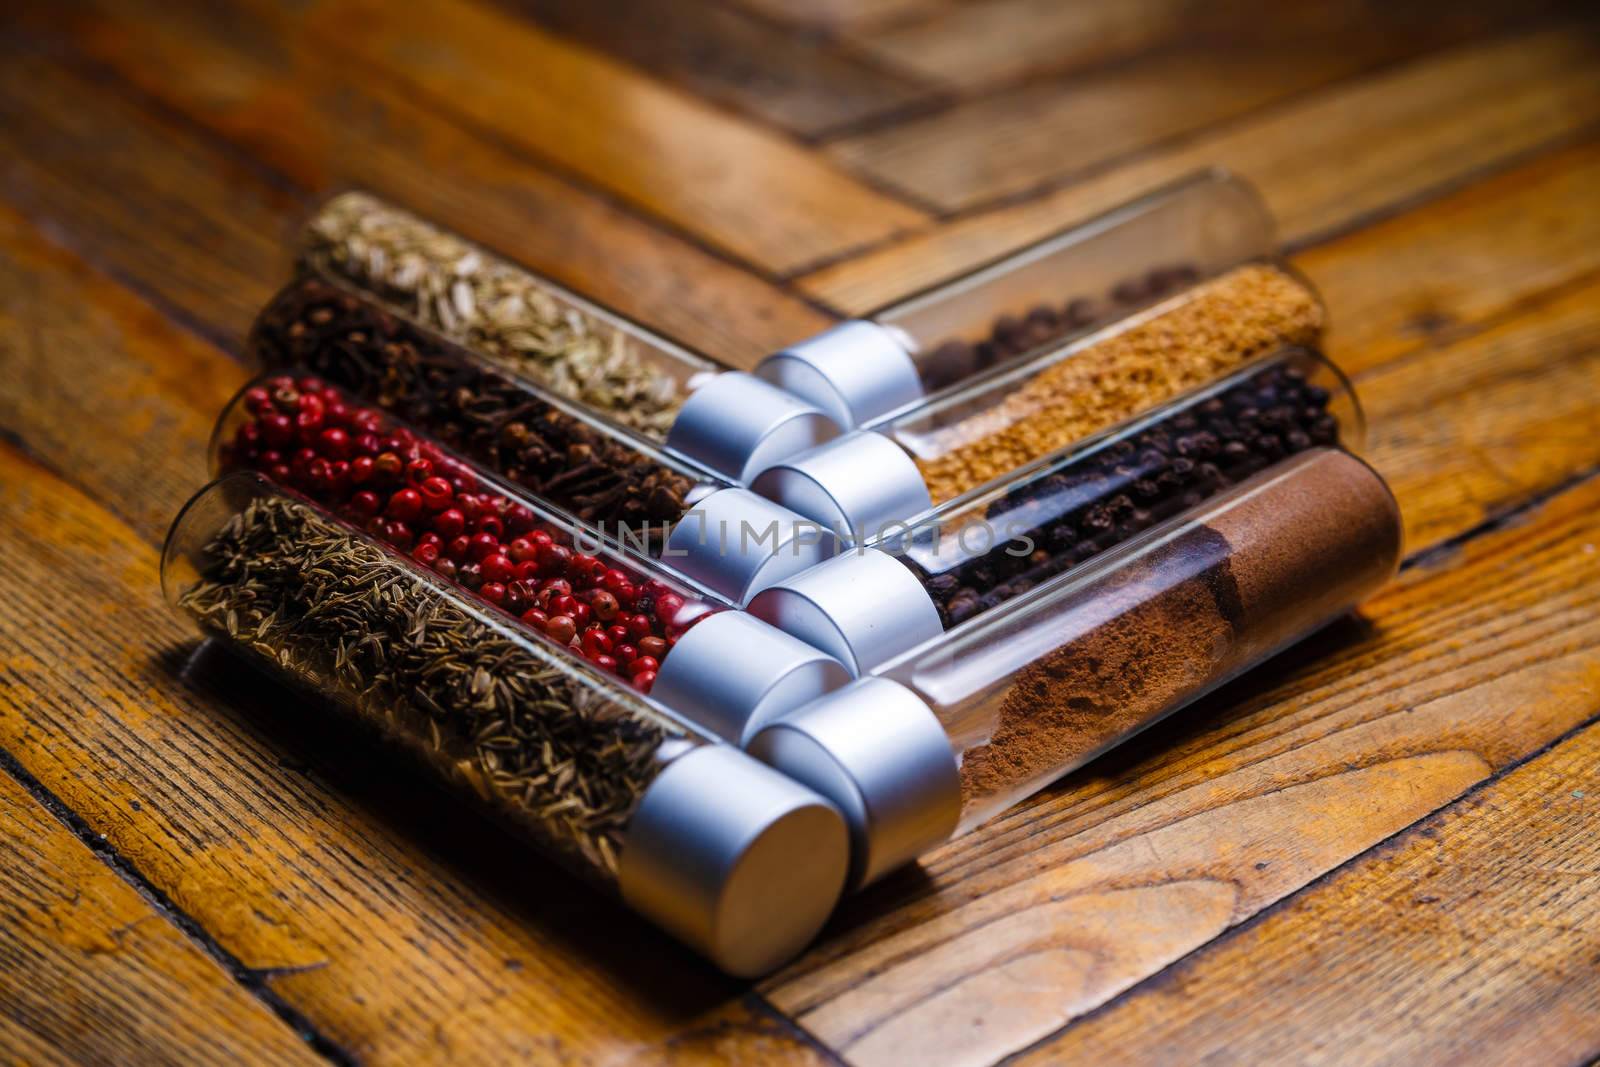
(1120, 489)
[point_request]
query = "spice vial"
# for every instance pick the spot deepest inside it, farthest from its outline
(1043, 684)
(619, 790)
(729, 422)
(604, 476)
(981, 436)
(609, 479)
(1010, 309)
(519, 319)
(607, 604)
(981, 550)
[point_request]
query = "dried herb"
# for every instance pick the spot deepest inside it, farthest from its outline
(566, 758)
(497, 309)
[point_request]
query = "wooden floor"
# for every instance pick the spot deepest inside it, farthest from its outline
(1384, 846)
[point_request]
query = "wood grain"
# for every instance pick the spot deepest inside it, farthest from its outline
(1466, 431)
(81, 351)
(800, 83)
(1460, 262)
(92, 973)
(156, 156)
(322, 128)
(845, 14)
(1006, 144)
(124, 488)
(732, 184)
(1323, 162)
(401, 925)
(206, 240)
(1481, 927)
(975, 45)
(1124, 868)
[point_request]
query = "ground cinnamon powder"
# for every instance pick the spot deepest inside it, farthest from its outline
(1279, 556)
(1219, 326)
(1140, 642)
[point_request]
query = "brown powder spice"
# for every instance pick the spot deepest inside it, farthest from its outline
(1214, 329)
(1274, 559)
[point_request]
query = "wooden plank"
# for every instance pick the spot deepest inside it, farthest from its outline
(738, 187)
(80, 350)
(971, 46)
(92, 973)
(1322, 163)
(390, 917)
(1439, 272)
(1008, 144)
(1156, 850)
(324, 128)
(205, 237)
(804, 84)
(1471, 939)
(1466, 431)
(844, 14)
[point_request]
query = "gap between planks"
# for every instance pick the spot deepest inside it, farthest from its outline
(1239, 942)
(255, 982)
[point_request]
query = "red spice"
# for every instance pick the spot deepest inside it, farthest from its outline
(403, 489)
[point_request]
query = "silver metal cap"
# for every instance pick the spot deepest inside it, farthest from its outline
(860, 484)
(736, 543)
(854, 372)
(735, 859)
(738, 425)
(733, 674)
(879, 753)
(862, 608)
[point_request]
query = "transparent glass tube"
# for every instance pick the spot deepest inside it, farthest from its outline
(607, 604)
(562, 754)
(1087, 275)
(523, 322)
(603, 476)
(1003, 422)
(985, 548)
(1045, 683)
(616, 788)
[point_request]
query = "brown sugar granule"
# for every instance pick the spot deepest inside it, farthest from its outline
(1282, 554)
(1217, 327)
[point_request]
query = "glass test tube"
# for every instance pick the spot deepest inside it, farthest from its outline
(726, 421)
(866, 482)
(975, 553)
(616, 788)
(610, 606)
(915, 351)
(954, 731)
